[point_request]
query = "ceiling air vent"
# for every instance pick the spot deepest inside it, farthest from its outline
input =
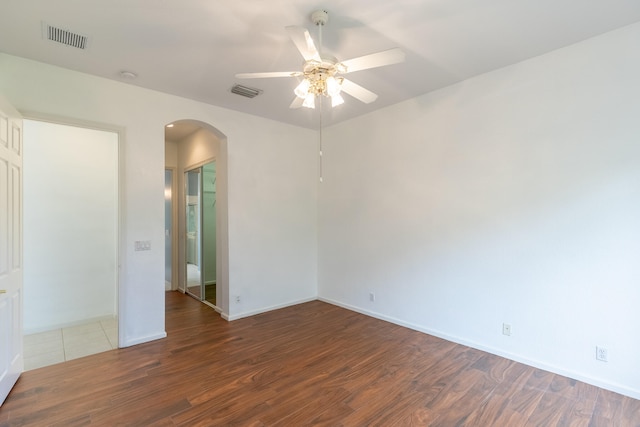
(248, 92)
(66, 37)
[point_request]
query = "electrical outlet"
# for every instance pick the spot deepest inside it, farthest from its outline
(506, 329)
(237, 299)
(602, 354)
(142, 245)
(372, 296)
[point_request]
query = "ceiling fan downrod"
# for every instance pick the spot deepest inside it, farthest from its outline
(320, 19)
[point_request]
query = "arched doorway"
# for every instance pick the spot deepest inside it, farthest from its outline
(193, 146)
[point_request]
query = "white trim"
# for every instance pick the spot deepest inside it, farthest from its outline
(215, 307)
(617, 388)
(199, 164)
(226, 316)
(175, 262)
(142, 340)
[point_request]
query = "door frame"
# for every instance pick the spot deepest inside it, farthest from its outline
(175, 285)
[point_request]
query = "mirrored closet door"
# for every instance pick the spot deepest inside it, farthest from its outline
(200, 190)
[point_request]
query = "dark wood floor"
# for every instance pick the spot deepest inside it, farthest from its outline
(308, 364)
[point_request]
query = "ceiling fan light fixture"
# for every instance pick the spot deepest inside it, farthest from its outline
(322, 74)
(302, 90)
(336, 100)
(309, 101)
(333, 86)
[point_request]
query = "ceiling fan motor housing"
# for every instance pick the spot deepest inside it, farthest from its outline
(318, 72)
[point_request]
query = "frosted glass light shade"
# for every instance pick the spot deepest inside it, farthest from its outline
(302, 90)
(333, 87)
(309, 101)
(336, 100)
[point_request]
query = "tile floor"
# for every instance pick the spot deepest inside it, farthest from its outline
(59, 345)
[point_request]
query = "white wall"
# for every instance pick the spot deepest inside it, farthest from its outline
(196, 149)
(70, 225)
(511, 197)
(273, 191)
(171, 154)
(272, 240)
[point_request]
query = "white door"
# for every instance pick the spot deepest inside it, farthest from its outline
(11, 360)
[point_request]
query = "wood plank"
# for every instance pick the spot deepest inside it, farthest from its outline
(312, 363)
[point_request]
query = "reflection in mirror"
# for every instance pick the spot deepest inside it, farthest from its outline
(209, 232)
(168, 227)
(193, 233)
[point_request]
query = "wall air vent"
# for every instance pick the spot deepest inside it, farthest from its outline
(65, 37)
(248, 92)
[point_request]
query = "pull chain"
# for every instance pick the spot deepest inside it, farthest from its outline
(320, 142)
(320, 96)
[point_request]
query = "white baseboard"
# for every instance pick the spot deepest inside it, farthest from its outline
(241, 315)
(617, 388)
(141, 340)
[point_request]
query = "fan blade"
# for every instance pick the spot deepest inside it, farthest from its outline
(358, 92)
(386, 57)
(268, 75)
(303, 41)
(297, 102)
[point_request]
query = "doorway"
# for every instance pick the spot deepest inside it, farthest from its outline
(197, 147)
(71, 238)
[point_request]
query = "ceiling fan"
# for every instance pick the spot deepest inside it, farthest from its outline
(322, 74)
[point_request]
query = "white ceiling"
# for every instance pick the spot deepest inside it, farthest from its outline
(193, 48)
